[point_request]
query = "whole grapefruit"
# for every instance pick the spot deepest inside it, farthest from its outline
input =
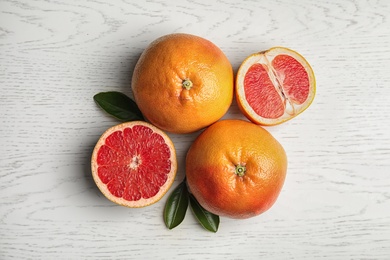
(183, 83)
(236, 169)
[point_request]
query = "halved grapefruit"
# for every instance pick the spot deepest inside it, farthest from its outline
(134, 164)
(274, 86)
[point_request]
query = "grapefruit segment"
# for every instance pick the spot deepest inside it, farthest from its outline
(259, 89)
(134, 164)
(274, 86)
(293, 78)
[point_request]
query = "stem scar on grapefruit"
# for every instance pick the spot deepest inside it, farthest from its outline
(236, 169)
(183, 83)
(274, 86)
(134, 164)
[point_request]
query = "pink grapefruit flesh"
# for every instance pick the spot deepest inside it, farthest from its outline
(274, 86)
(134, 164)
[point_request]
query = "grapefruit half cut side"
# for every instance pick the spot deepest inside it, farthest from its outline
(274, 86)
(134, 164)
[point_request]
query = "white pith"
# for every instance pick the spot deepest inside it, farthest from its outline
(135, 162)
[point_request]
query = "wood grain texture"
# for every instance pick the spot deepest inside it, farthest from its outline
(55, 55)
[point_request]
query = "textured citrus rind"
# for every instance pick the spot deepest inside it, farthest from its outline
(212, 160)
(158, 77)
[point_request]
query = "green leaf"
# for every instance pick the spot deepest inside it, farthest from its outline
(119, 106)
(207, 219)
(176, 206)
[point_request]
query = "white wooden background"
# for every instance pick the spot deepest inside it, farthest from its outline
(55, 55)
